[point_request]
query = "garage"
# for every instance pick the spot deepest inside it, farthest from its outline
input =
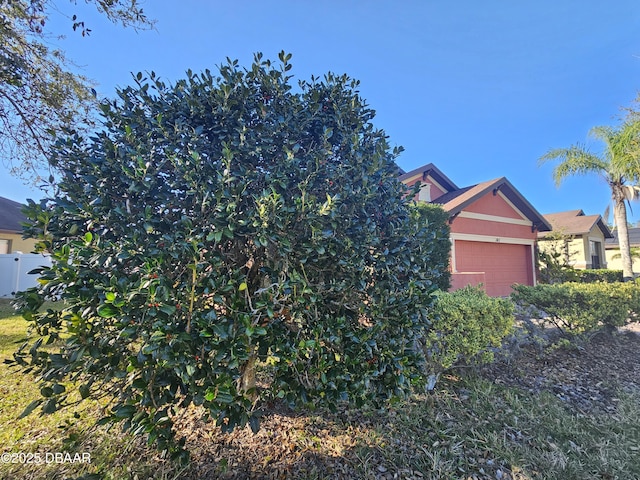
(502, 264)
(493, 229)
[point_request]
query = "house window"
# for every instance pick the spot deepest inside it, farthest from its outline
(4, 246)
(596, 254)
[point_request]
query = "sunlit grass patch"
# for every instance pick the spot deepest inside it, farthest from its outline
(69, 431)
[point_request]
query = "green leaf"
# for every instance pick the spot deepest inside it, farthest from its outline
(224, 397)
(58, 388)
(254, 423)
(107, 311)
(125, 411)
(140, 384)
(242, 287)
(168, 309)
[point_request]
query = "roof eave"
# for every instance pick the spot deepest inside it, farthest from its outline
(431, 170)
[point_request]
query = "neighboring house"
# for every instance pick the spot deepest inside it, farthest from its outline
(493, 230)
(581, 237)
(612, 250)
(11, 219)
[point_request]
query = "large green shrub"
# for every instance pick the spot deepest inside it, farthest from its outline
(467, 323)
(223, 228)
(581, 307)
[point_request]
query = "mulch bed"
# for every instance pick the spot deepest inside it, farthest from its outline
(588, 377)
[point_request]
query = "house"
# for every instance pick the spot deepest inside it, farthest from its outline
(493, 229)
(11, 219)
(580, 237)
(612, 250)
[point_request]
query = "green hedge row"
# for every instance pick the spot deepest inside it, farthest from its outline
(598, 275)
(581, 307)
(467, 323)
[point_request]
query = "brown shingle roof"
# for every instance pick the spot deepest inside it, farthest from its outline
(435, 173)
(11, 216)
(575, 222)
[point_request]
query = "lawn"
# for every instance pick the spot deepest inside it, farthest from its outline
(478, 424)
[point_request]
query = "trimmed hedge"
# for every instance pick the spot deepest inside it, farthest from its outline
(467, 323)
(598, 275)
(581, 307)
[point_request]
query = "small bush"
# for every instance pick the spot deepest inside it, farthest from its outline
(552, 269)
(467, 323)
(598, 275)
(582, 307)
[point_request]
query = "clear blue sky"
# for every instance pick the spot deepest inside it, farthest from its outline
(481, 89)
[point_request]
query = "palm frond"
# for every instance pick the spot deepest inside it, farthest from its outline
(575, 160)
(631, 192)
(625, 149)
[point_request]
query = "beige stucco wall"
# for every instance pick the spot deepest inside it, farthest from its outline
(17, 243)
(616, 263)
(578, 248)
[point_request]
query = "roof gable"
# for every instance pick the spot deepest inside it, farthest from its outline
(429, 170)
(456, 201)
(575, 222)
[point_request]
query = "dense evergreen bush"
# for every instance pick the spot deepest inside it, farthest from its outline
(467, 323)
(223, 228)
(554, 259)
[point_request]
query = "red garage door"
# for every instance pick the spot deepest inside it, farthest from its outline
(502, 263)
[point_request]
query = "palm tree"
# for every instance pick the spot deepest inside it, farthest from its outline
(618, 165)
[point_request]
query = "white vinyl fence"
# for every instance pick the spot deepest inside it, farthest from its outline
(14, 271)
